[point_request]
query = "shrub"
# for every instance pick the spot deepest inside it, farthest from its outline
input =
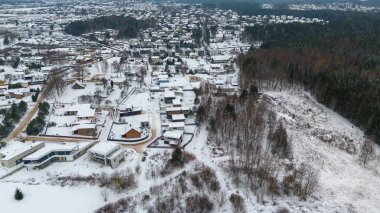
(237, 202)
(18, 194)
(196, 203)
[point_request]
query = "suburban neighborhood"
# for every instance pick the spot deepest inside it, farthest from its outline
(166, 106)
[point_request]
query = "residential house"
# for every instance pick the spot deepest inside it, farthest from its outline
(109, 153)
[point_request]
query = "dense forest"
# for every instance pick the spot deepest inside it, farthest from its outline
(338, 62)
(128, 27)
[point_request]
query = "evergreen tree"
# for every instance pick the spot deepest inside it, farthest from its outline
(6, 40)
(177, 159)
(18, 194)
(23, 107)
(15, 112)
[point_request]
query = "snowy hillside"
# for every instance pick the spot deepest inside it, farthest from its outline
(344, 186)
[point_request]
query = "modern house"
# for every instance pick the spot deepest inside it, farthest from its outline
(177, 110)
(173, 137)
(109, 153)
(13, 154)
(169, 96)
(53, 152)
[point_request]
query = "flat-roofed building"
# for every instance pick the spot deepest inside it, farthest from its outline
(53, 152)
(177, 110)
(13, 154)
(173, 137)
(109, 153)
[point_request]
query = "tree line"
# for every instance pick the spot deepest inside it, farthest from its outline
(37, 125)
(11, 116)
(128, 27)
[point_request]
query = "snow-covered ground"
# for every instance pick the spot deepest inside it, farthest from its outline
(345, 185)
(326, 140)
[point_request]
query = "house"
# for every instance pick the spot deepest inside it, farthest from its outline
(163, 79)
(109, 153)
(178, 117)
(177, 103)
(132, 131)
(78, 85)
(83, 112)
(84, 129)
(218, 59)
(53, 152)
(130, 110)
(17, 93)
(169, 96)
(173, 137)
(177, 126)
(18, 83)
(177, 110)
(13, 154)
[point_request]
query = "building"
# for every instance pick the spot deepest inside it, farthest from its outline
(83, 112)
(13, 154)
(109, 153)
(132, 131)
(78, 85)
(53, 152)
(169, 96)
(177, 110)
(217, 59)
(84, 129)
(177, 126)
(173, 137)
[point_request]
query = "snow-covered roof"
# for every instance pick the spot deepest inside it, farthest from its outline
(104, 148)
(86, 112)
(83, 126)
(178, 117)
(173, 134)
(177, 102)
(56, 147)
(169, 94)
(170, 109)
(177, 125)
(133, 125)
(16, 148)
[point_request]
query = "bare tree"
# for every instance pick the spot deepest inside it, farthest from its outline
(80, 73)
(116, 67)
(306, 181)
(104, 194)
(366, 151)
(143, 73)
(55, 82)
(104, 82)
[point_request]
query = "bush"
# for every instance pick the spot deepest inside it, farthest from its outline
(196, 203)
(237, 202)
(18, 194)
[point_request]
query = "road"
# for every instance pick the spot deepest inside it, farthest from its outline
(22, 125)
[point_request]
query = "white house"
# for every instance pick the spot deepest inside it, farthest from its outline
(109, 153)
